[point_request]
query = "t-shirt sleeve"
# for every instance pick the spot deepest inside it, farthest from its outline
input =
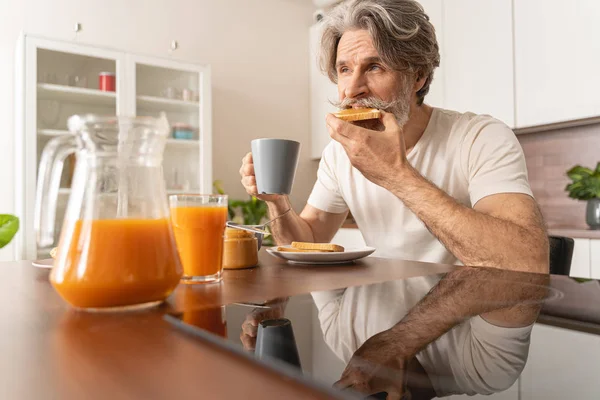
(326, 194)
(493, 160)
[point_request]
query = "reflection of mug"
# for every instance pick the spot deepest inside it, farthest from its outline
(275, 339)
(275, 162)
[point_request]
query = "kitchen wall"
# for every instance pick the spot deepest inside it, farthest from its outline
(549, 155)
(258, 50)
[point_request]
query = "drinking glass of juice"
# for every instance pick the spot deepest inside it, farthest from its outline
(199, 227)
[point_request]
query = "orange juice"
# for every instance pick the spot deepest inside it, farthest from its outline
(116, 262)
(210, 319)
(199, 235)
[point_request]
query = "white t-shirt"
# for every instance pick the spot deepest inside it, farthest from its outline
(466, 155)
(474, 357)
(469, 157)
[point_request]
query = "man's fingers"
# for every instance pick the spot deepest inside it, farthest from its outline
(249, 183)
(343, 140)
(393, 394)
(360, 387)
(248, 328)
(389, 120)
(342, 384)
(340, 127)
(248, 342)
(247, 169)
(247, 159)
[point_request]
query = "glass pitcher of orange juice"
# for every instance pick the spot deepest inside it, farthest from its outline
(117, 248)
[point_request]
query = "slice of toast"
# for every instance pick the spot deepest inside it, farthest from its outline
(327, 247)
(293, 250)
(358, 114)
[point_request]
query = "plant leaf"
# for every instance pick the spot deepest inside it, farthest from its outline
(585, 183)
(218, 186)
(9, 225)
(236, 203)
(578, 173)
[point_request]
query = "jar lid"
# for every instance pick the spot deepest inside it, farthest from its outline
(232, 233)
(106, 74)
(182, 125)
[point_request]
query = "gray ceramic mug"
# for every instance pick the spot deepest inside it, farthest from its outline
(275, 162)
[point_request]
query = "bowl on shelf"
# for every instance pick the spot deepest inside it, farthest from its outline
(183, 131)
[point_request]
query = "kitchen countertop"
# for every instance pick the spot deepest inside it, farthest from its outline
(575, 233)
(51, 350)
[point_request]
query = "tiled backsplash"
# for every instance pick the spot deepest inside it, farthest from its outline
(549, 155)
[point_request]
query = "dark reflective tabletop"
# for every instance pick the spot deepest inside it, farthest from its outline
(465, 332)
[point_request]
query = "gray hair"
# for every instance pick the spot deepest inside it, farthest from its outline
(401, 33)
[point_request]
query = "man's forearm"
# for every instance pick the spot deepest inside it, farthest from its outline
(465, 293)
(289, 228)
(475, 238)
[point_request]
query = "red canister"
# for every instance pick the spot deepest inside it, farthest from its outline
(106, 81)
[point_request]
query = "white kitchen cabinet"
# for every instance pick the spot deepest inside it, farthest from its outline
(478, 58)
(434, 9)
(56, 79)
(557, 59)
(595, 258)
(580, 264)
(322, 91)
(562, 364)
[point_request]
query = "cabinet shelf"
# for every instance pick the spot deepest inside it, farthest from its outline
(181, 191)
(66, 191)
(52, 132)
(68, 94)
(183, 142)
(170, 142)
(164, 104)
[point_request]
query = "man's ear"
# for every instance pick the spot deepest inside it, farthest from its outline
(419, 83)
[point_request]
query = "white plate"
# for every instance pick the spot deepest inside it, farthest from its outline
(322, 258)
(46, 263)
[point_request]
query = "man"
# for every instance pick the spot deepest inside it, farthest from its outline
(423, 183)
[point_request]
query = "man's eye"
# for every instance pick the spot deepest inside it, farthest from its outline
(343, 70)
(374, 67)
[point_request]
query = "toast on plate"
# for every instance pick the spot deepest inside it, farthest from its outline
(319, 247)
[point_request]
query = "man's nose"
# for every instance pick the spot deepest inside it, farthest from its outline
(357, 86)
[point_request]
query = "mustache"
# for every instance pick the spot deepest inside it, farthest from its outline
(366, 102)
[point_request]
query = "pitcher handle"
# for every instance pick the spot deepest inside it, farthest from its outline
(48, 183)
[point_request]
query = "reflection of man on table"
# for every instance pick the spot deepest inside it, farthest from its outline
(422, 183)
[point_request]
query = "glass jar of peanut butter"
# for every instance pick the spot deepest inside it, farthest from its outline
(240, 249)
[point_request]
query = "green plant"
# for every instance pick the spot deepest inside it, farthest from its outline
(585, 183)
(9, 225)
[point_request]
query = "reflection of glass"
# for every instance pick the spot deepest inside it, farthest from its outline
(212, 320)
(199, 226)
(48, 77)
(117, 249)
(79, 81)
(64, 79)
(171, 93)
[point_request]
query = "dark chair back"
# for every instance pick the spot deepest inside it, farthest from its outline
(561, 254)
